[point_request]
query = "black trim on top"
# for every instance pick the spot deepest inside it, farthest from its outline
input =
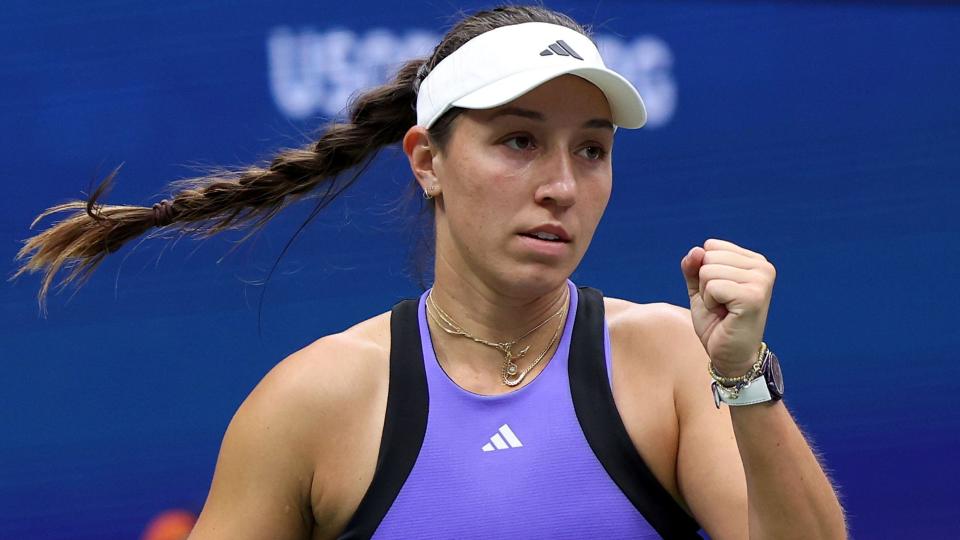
(603, 427)
(404, 425)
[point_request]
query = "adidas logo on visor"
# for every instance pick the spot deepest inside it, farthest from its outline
(561, 48)
(503, 439)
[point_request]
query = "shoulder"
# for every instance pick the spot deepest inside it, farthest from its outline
(655, 345)
(656, 315)
(330, 386)
(311, 412)
(328, 378)
(354, 355)
(663, 331)
(654, 352)
(322, 382)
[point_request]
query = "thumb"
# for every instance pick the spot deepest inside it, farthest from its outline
(690, 265)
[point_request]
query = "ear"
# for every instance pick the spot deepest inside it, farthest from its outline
(420, 152)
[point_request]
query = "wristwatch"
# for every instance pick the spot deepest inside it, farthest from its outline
(768, 386)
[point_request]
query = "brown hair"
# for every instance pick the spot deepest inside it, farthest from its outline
(250, 197)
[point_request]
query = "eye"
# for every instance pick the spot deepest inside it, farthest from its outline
(593, 152)
(519, 142)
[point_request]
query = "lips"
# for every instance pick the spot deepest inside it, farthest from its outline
(544, 236)
(548, 233)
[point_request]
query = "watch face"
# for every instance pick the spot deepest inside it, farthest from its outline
(773, 374)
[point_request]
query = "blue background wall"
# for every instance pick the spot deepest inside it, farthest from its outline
(824, 135)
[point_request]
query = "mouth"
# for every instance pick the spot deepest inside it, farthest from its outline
(548, 233)
(545, 237)
(548, 242)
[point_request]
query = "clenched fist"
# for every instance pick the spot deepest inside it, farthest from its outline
(730, 289)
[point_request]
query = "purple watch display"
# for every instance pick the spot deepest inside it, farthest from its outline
(773, 375)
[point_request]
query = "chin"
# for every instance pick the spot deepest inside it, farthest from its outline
(534, 280)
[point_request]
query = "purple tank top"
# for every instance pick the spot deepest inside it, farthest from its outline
(515, 465)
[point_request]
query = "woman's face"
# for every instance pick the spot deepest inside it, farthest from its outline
(539, 164)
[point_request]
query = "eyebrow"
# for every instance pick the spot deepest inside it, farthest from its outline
(594, 123)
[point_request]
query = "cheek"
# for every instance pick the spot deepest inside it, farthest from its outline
(593, 202)
(597, 186)
(488, 171)
(606, 196)
(489, 188)
(475, 200)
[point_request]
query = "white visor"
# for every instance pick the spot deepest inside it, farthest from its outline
(501, 65)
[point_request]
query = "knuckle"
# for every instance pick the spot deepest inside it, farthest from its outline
(709, 286)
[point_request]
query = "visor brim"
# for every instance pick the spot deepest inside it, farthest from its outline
(625, 102)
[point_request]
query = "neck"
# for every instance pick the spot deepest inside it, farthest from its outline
(495, 315)
(496, 318)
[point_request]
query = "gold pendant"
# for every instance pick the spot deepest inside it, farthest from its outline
(513, 378)
(510, 368)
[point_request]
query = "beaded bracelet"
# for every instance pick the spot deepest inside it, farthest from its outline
(734, 384)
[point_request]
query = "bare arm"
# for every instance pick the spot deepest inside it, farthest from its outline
(261, 485)
(745, 471)
(788, 495)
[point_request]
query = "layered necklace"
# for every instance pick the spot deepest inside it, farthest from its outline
(510, 373)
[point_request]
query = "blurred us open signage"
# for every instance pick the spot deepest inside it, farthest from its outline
(316, 72)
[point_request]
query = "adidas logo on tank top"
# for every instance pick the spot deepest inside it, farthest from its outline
(503, 439)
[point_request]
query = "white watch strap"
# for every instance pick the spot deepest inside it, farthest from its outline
(755, 391)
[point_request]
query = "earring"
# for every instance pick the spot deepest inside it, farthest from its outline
(428, 193)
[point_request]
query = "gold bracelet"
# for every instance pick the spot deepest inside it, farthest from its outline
(737, 382)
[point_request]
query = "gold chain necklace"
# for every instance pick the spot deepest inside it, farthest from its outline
(510, 373)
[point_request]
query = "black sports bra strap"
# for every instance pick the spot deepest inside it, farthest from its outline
(604, 429)
(404, 425)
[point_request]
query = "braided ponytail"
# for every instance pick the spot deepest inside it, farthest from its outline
(212, 204)
(250, 197)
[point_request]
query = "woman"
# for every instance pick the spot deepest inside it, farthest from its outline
(505, 402)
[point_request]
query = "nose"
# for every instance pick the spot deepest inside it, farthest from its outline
(559, 185)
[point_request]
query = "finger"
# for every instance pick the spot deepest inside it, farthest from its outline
(734, 259)
(690, 265)
(717, 293)
(713, 244)
(722, 271)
